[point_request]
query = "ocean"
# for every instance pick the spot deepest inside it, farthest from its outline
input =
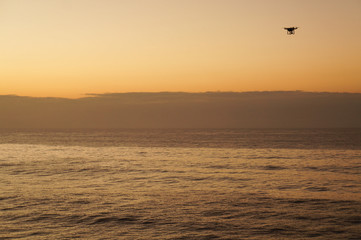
(180, 184)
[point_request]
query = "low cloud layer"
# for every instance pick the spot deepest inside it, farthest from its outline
(185, 110)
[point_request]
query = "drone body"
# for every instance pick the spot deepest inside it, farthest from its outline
(290, 30)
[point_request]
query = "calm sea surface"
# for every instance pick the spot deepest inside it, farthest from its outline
(180, 184)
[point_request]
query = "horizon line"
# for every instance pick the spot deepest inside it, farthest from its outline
(87, 95)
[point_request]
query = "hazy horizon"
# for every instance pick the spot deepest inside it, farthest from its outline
(90, 94)
(281, 109)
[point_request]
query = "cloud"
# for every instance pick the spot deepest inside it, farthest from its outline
(185, 110)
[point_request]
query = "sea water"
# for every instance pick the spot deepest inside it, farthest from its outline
(180, 184)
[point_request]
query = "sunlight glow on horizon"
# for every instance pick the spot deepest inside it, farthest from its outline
(67, 48)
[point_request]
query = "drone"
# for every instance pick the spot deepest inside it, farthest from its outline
(290, 30)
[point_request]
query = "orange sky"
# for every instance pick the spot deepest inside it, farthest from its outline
(67, 48)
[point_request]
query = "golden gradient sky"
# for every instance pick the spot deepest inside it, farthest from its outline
(66, 48)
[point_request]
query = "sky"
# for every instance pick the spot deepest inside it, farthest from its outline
(68, 48)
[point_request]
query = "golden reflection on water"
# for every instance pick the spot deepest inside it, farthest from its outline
(141, 191)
